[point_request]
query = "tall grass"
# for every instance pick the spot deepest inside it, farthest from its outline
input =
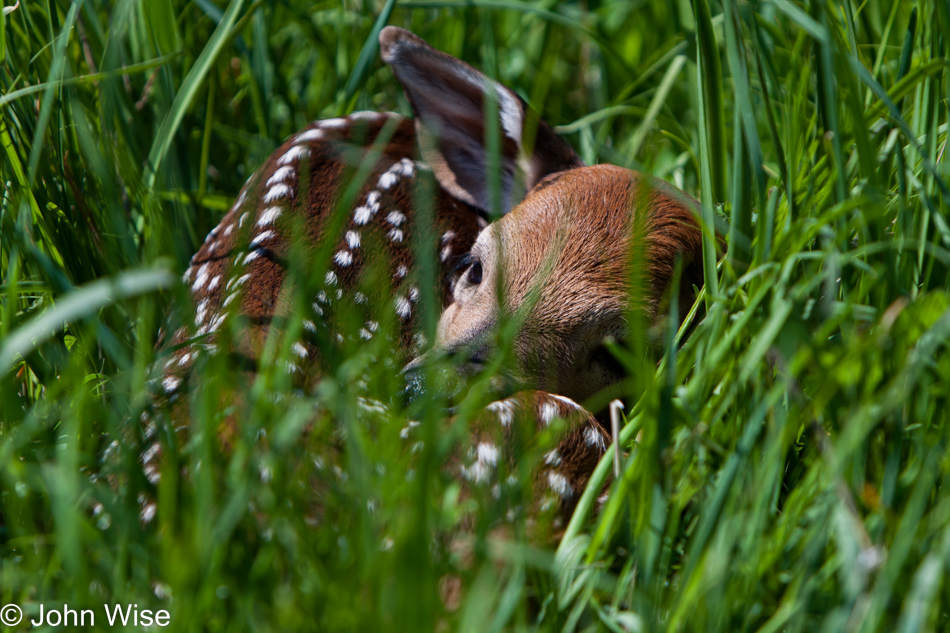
(785, 463)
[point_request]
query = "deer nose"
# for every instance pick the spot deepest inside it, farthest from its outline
(449, 378)
(425, 368)
(414, 380)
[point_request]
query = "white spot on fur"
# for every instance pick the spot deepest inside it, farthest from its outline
(371, 406)
(413, 294)
(560, 485)
(300, 350)
(148, 513)
(395, 218)
(387, 180)
(406, 167)
(310, 326)
(570, 403)
(403, 307)
(202, 309)
(281, 175)
(268, 216)
(264, 235)
(362, 215)
(553, 458)
(365, 115)
(353, 239)
(395, 235)
(170, 383)
(229, 299)
(488, 453)
(152, 474)
(448, 236)
(241, 221)
(252, 256)
(216, 323)
(201, 279)
(404, 433)
(333, 123)
(330, 278)
(343, 258)
(228, 230)
(548, 412)
(238, 281)
(294, 153)
(277, 192)
(309, 136)
(150, 453)
(402, 271)
(594, 439)
(478, 473)
(360, 298)
(445, 254)
(504, 409)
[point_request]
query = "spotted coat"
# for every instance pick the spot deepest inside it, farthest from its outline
(240, 269)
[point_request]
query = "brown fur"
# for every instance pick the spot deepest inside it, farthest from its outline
(569, 258)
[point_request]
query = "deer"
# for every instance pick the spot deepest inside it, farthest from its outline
(558, 257)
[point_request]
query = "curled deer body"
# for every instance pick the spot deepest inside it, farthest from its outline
(560, 258)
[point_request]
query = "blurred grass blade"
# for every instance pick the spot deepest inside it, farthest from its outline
(368, 55)
(710, 94)
(190, 87)
(56, 70)
(79, 304)
(802, 19)
(658, 101)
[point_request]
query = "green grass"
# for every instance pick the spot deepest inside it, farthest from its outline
(793, 450)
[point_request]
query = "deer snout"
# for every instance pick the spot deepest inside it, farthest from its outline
(442, 371)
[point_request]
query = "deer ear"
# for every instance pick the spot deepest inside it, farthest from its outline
(448, 97)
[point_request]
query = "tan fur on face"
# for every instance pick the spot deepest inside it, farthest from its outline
(567, 262)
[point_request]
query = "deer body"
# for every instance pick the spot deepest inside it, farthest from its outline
(240, 266)
(560, 259)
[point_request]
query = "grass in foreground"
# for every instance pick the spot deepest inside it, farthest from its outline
(790, 471)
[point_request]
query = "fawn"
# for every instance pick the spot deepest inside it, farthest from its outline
(561, 256)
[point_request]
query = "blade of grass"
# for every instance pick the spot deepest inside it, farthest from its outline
(189, 90)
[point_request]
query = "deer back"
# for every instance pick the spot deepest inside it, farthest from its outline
(288, 203)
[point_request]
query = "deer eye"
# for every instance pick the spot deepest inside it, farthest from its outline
(474, 274)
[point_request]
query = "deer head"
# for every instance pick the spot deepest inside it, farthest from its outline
(561, 261)
(569, 263)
